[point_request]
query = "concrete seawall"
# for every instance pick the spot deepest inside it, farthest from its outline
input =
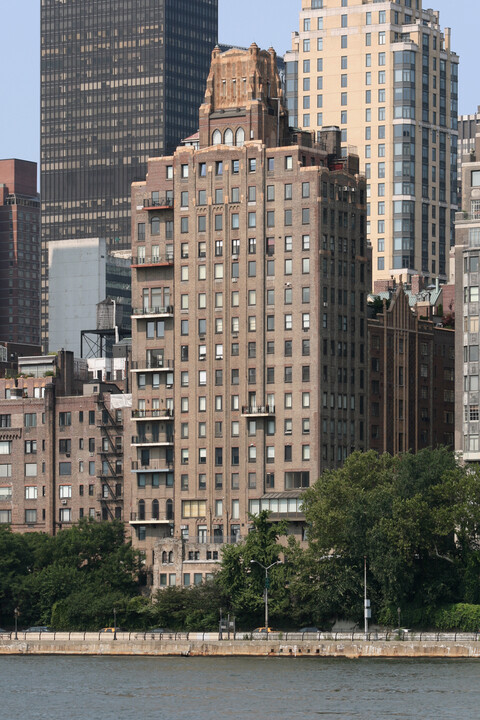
(261, 648)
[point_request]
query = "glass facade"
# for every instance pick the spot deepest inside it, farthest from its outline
(121, 81)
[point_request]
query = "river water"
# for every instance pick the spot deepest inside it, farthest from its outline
(87, 688)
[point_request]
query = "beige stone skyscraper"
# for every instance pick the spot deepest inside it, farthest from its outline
(250, 274)
(385, 74)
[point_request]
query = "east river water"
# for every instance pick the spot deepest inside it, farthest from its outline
(104, 688)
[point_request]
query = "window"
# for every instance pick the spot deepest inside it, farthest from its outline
(30, 420)
(31, 492)
(64, 419)
(30, 516)
(30, 469)
(30, 447)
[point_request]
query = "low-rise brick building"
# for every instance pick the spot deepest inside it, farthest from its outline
(61, 447)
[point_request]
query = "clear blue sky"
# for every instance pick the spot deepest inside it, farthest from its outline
(267, 22)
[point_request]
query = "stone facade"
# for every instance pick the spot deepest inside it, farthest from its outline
(249, 281)
(412, 369)
(467, 283)
(386, 74)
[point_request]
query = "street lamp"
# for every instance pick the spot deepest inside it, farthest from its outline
(267, 585)
(16, 612)
(114, 623)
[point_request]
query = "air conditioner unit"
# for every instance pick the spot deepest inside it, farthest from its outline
(234, 257)
(67, 454)
(325, 304)
(202, 357)
(64, 502)
(168, 386)
(234, 279)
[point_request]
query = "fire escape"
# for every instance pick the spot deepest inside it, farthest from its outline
(111, 457)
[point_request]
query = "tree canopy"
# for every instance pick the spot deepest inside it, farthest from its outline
(415, 518)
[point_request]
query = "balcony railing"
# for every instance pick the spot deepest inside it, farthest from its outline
(160, 203)
(159, 310)
(164, 414)
(153, 439)
(138, 260)
(161, 518)
(154, 466)
(258, 410)
(153, 364)
(467, 217)
(214, 539)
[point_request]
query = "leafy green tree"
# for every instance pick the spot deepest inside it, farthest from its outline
(70, 581)
(243, 582)
(411, 516)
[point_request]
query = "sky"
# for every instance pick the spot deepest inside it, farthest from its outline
(266, 22)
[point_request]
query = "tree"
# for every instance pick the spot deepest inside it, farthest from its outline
(414, 517)
(70, 581)
(243, 582)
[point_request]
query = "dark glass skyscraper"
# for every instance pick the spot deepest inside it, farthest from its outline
(121, 81)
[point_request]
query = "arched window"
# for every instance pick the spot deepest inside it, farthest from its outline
(228, 137)
(141, 509)
(155, 510)
(164, 557)
(169, 509)
(170, 556)
(216, 137)
(240, 137)
(155, 226)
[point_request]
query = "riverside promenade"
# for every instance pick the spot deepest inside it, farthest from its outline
(294, 645)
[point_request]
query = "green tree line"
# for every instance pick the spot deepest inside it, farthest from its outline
(416, 519)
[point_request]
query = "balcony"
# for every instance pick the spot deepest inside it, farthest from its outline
(213, 539)
(465, 217)
(155, 466)
(150, 312)
(158, 203)
(147, 415)
(155, 363)
(142, 261)
(258, 410)
(152, 440)
(148, 519)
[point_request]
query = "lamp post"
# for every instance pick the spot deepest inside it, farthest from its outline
(367, 613)
(267, 585)
(114, 623)
(16, 612)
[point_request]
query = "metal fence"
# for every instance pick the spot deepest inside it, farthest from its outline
(394, 636)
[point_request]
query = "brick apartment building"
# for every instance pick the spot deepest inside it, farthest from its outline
(412, 378)
(250, 275)
(61, 447)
